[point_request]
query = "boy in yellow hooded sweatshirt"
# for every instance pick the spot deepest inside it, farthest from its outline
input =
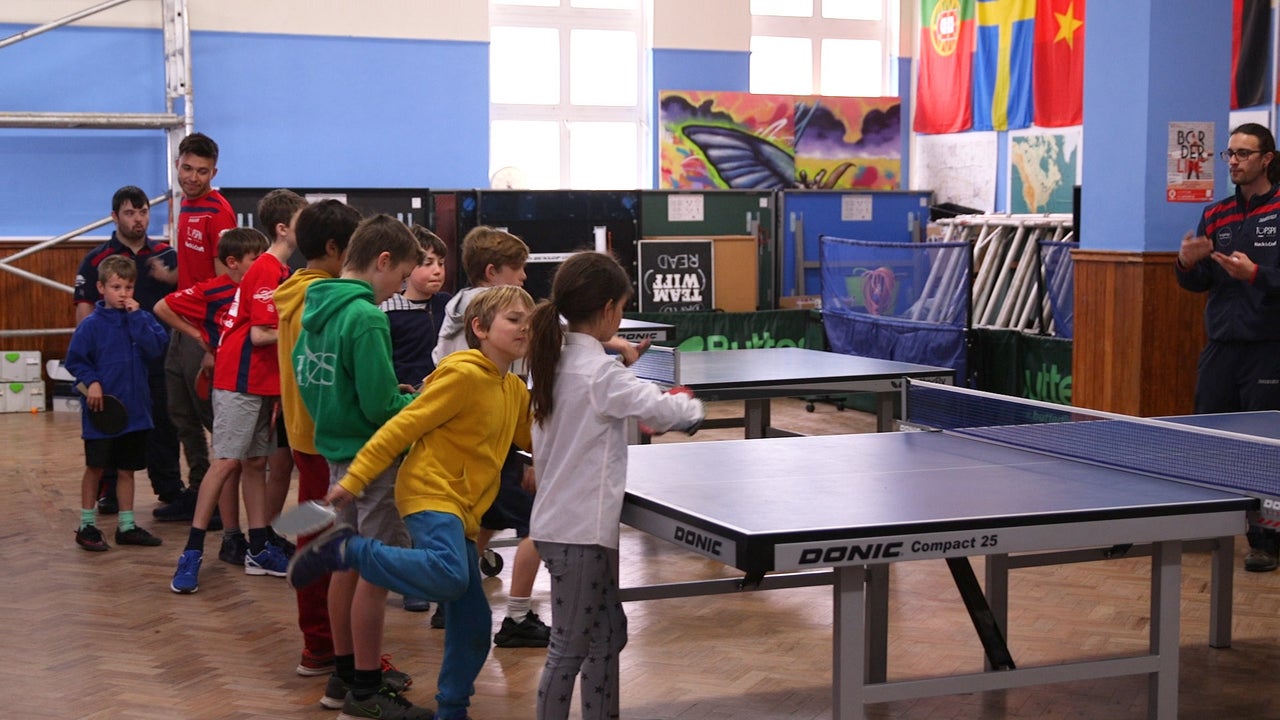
(458, 431)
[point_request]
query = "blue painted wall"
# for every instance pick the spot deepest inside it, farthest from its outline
(720, 70)
(286, 110)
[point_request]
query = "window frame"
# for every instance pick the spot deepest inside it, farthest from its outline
(815, 28)
(564, 18)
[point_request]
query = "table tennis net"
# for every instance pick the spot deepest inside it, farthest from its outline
(658, 364)
(1153, 447)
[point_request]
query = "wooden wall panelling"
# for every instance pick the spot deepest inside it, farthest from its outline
(1138, 334)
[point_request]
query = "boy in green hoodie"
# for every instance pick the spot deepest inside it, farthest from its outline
(458, 432)
(347, 382)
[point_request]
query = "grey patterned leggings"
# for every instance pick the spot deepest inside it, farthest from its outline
(588, 630)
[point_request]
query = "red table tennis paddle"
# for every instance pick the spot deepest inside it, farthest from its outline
(677, 390)
(112, 418)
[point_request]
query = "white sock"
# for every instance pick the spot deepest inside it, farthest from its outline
(518, 607)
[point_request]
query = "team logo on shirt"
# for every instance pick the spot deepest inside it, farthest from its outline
(1222, 240)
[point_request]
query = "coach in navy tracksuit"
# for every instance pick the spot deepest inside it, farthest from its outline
(1235, 258)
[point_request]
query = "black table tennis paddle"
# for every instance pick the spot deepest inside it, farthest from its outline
(112, 418)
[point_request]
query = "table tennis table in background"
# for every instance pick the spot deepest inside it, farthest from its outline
(759, 374)
(996, 477)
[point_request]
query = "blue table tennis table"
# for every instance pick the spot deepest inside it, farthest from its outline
(1031, 480)
(757, 375)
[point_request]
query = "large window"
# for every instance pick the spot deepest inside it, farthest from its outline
(567, 105)
(824, 47)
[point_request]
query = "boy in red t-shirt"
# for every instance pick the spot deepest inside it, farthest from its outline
(197, 313)
(246, 383)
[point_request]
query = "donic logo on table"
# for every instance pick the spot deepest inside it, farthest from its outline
(697, 541)
(843, 553)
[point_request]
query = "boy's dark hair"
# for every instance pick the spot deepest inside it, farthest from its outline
(117, 266)
(488, 304)
(485, 246)
(240, 241)
(277, 207)
(320, 222)
(200, 145)
(133, 194)
(430, 241)
(584, 284)
(1266, 143)
(381, 234)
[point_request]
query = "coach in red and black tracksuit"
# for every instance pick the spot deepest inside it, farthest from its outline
(1234, 256)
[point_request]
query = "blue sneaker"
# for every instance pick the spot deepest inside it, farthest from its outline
(268, 562)
(323, 555)
(187, 578)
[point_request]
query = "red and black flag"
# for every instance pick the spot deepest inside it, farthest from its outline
(1250, 52)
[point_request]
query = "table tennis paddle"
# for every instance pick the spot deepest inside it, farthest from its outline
(677, 390)
(204, 385)
(306, 518)
(112, 418)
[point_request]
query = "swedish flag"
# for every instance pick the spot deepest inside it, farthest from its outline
(1002, 64)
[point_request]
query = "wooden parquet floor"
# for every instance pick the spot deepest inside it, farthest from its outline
(99, 636)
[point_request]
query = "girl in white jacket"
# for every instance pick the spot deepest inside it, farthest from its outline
(582, 399)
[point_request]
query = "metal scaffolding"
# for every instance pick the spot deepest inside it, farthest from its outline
(177, 120)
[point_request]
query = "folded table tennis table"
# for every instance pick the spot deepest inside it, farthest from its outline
(1031, 479)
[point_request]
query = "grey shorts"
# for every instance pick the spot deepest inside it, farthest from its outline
(374, 513)
(242, 425)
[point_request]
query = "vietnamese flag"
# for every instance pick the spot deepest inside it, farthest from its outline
(1058, 75)
(944, 102)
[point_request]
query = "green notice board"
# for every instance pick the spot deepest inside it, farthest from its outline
(709, 213)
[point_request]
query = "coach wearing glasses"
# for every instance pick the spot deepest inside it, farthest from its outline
(1234, 256)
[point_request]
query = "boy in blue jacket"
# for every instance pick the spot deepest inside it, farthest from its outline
(109, 354)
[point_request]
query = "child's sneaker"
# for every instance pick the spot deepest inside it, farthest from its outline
(386, 704)
(282, 543)
(312, 665)
(136, 536)
(90, 538)
(335, 693)
(268, 562)
(186, 579)
(323, 555)
(394, 678)
(233, 549)
(530, 632)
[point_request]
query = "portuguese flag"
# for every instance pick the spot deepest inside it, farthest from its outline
(944, 101)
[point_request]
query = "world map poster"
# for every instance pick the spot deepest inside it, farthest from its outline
(1044, 168)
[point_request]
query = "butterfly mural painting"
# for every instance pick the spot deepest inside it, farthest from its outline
(758, 142)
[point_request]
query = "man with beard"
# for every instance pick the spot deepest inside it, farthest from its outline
(1234, 257)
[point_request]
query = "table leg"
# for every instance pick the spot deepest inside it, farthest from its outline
(997, 591)
(1221, 583)
(877, 623)
(756, 418)
(1166, 579)
(848, 666)
(884, 410)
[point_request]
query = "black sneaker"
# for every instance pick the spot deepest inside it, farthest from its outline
(437, 617)
(233, 549)
(282, 544)
(530, 632)
(136, 536)
(108, 505)
(1260, 560)
(386, 704)
(90, 538)
(180, 510)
